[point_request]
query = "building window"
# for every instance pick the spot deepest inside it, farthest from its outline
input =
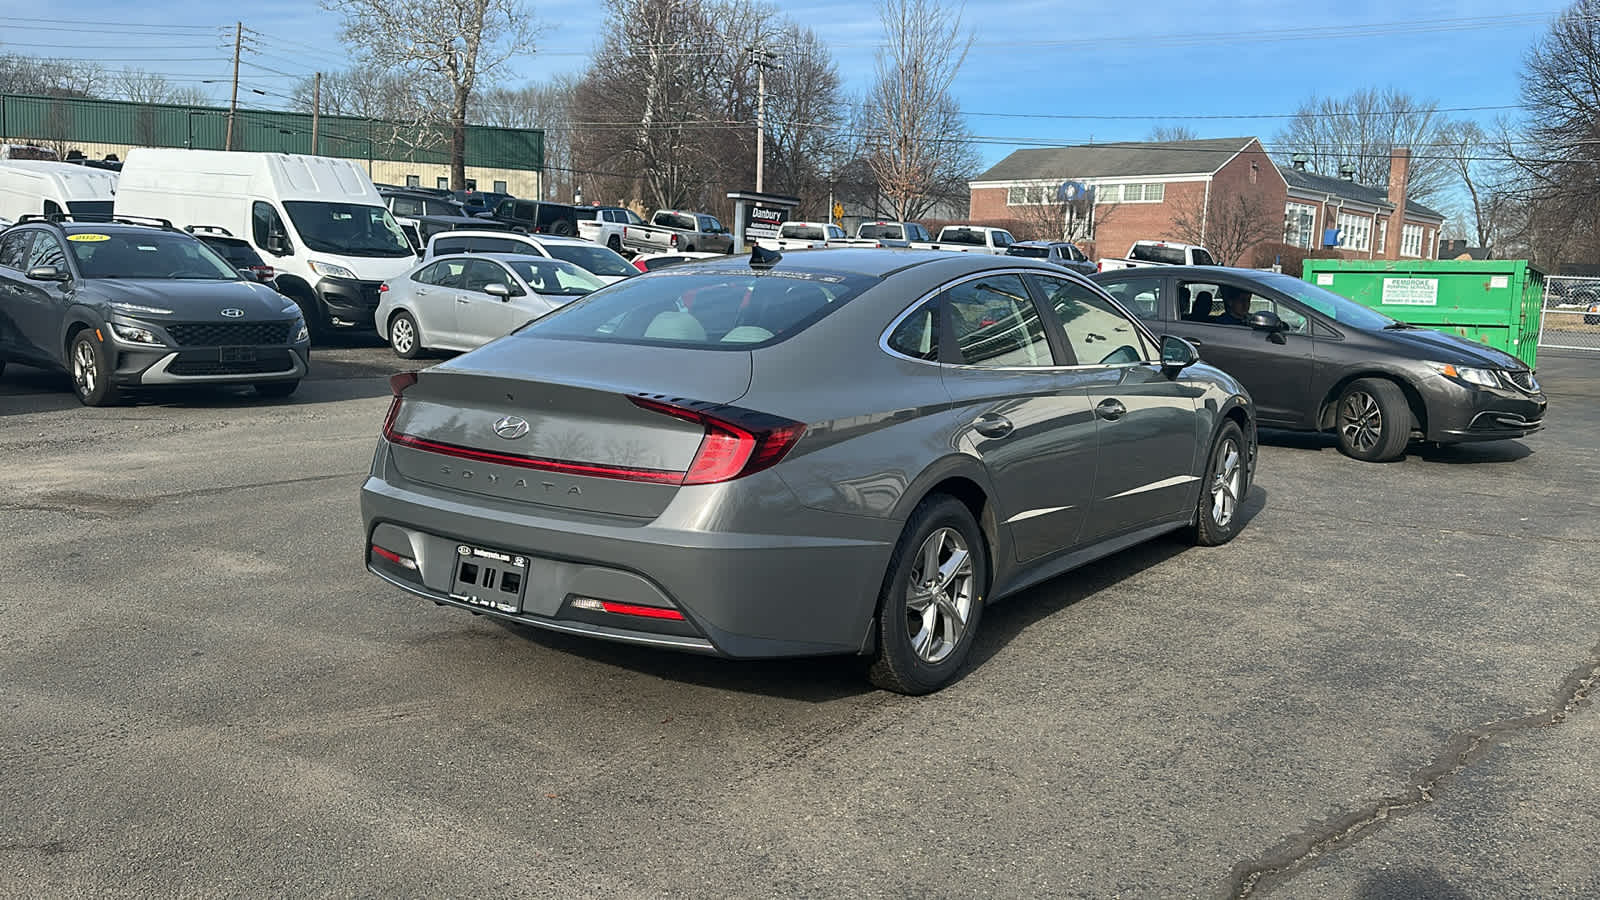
(1131, 193)
(1030, 195)
(1411, 240)
(1300, 225)
(442, 183)
(500, 188)
(413, 181)
(1383, 235)
(1355, 231)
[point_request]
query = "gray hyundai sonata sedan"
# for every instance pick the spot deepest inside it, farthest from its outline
(835, 451)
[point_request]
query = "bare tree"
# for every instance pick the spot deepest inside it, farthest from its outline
(547, 107)
(1233, 226)
(1051, 214)
(1559, 159)
(400, 116)
(450, 48)
(1472, 155)
(1360, 131)
(919, 145)
(805, 111)
(1171, 133)
(21, 74)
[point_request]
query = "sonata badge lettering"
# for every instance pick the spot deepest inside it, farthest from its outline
(511, 427)
(549, 487)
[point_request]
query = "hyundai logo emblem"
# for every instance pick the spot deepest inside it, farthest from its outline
(511, 427)
(233, 313)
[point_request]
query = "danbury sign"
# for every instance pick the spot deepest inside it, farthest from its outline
(757, 216)
(1411, 291)
(764, 222)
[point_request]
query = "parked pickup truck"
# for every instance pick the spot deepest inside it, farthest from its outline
(805, 236)
(672, 230)
(607, 224)
(1159, 253)
(891, 234)
(973, 239)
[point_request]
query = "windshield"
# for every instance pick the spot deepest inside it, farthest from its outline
(552, 276)
(153, 254)
(1030, 252)
(689, 306)
(599, 260)
(351, 229)
(1335, 307)
(90, 209)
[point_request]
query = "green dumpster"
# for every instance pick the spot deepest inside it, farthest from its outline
(1492, 301)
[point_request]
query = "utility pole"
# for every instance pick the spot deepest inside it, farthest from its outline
(233, 105)
(762, 60)
(316, 113)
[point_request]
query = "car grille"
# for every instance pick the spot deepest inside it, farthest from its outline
(229, 334)
(199, 363)
(1522, 380)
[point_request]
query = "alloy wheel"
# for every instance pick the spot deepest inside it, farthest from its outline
(1361, 421)
(402, 336)
(85, 371)
(1228, 483)
(939, 597)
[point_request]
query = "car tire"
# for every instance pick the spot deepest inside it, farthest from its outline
(615, 243)
(1222, 491)
(405, 339)
(563, 228)
(1372, 420)
(276, 389)
(311, 311)
(924, 636)
(90, 370)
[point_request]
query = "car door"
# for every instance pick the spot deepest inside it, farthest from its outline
(1146, 420)
(43, 304)
(480, 316)
(14, 246)
(1275, 367)
(1019, 411)
(433, 303)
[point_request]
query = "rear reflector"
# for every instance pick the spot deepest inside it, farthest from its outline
(405, 562)
(626, 609)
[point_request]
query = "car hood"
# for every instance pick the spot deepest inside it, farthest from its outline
(1439, 347)
(191, 301)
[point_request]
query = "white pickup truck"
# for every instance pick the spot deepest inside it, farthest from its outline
(891, 234)
(607, 225)
(973, 239)
(1159, 253)
(805, 236)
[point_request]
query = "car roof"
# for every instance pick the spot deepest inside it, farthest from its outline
(879, 262)
(482, 232)
(1186, 271)
(507, 258)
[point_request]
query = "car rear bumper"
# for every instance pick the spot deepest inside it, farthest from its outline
(740, 594)
(1457, 413)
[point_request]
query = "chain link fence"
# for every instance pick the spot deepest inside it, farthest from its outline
(1571, 316)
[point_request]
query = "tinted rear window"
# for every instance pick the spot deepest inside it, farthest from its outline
(1030, 252)
(703, 308)
(880, 232)
(1172, 256)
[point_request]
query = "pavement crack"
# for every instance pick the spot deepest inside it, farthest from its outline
(101, 506)
(1464, 748)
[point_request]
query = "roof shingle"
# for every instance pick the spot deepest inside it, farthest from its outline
(1116, 160)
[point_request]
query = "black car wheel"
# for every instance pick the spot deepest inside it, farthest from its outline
(276, 389)
(90, 369)
(615, 243)
(1373, 421)
(1223, 490)
(932, 599)
(563, 228)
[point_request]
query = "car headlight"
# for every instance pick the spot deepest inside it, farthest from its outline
(134, 334)
(300, 331)
(1483, 377)
(329, 270)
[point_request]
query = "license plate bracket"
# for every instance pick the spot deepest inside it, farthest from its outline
(236, 354)
(489, 578)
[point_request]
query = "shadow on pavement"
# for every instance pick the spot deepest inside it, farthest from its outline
(1414, 884)
(1475, 453)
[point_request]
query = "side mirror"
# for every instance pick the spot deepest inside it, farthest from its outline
(496, 289)
(48, 273)
(1265, 320)
(1177, 354)
(278, 244)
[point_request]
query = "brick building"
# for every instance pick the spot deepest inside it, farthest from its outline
(1120, 193)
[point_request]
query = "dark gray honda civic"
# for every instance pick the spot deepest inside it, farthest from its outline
(835, 451)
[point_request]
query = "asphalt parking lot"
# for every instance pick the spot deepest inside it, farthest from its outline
(1378, 690)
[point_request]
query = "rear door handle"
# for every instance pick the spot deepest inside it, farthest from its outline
(1110, 410)
(420, 292)
(992, 425)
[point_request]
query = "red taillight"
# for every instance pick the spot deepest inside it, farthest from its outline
(673, 240)
(383, 288)
(639, 264)
(263, 273)
(730, 449)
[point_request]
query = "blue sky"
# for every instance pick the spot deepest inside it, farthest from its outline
(1033, 57)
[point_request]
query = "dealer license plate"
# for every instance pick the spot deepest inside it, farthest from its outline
(237, 354)
(489, 578)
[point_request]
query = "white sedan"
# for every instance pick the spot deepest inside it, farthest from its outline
(462, 302)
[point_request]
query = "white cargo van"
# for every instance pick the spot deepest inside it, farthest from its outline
(34, 187)
(317, 220)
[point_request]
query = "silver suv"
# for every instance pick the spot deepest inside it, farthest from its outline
(125, 304)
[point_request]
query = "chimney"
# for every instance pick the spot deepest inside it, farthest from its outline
(1299, 161)
(1399, 178)
(1347, 172)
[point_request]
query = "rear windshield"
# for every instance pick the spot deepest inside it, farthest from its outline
(962, 236)
(703, 308)
(880, 232)
(1030, 252)
(596, 259)
(1172, 256)
(237, 252)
